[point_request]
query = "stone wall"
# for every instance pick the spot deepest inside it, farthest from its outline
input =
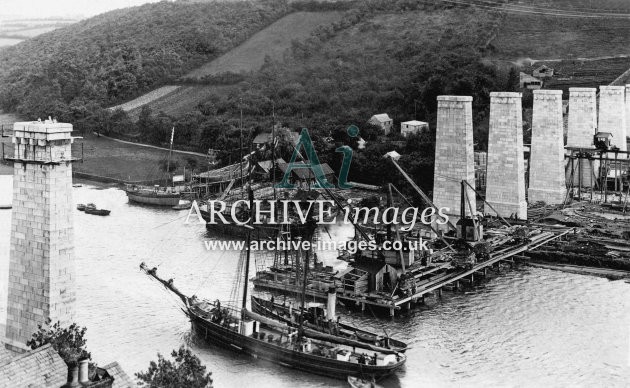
(505, 187)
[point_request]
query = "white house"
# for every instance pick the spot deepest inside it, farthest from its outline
(382, 120)
(392, 154)
(413, 126)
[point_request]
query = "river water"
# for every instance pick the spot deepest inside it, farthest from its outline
(526, 327)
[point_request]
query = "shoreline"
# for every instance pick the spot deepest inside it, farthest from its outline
(608, 273)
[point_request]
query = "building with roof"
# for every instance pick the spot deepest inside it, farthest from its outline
(527, 81)
(543, 72)
(392, 154)
(44, 368)
(413, 126)
(369, 276)
(265, 138)
(39, 368)
(383, 121)
(305, 177)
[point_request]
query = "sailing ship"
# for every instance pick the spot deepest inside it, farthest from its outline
(156, 195)
(261, 337)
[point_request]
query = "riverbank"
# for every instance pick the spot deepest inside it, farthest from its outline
(612, 274)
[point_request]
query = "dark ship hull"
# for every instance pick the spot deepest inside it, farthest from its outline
(285, 356)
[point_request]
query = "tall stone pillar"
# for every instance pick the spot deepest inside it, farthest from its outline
(546, 162)
(612, 114)
(582, 117)
(42, 263)
(627, 118)
(454, 155)
(505, 185)
(582, 129)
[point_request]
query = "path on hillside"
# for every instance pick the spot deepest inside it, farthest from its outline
(272, 41)
(154, 147)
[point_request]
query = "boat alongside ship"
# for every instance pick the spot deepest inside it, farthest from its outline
(319, 320)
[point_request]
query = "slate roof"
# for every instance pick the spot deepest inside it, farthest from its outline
(39, 368)
(121, 379)
(382, 117)
(305, 173)
(414, 123)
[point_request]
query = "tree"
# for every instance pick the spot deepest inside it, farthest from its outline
(69, 342)
(185, 371)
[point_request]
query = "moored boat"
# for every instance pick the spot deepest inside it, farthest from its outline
(81, 207)
(153, 195)
(97, 212)
(317, 322)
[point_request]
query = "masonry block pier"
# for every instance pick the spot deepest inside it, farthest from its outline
(505, 187)
(454, 154)
(41, 263)
(612, 114)
(546, 171)
(627, 118)
(582, 128)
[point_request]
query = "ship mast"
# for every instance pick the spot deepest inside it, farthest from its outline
(273, 148)
(250, 194)
(241, 144)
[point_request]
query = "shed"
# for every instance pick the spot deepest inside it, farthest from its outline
(383, 121)
(381, 277)
(413, 126)
(543, 71)
(305, 176)
(527, 81)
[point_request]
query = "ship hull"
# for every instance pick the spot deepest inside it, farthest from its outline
(224, 337)
(153, 199)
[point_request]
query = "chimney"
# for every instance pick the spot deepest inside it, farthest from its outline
(84, 374)
(73, 378)
(332, 301)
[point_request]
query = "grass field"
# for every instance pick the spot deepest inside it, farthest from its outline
(596, 28)
(182, 99)
(272, 41)
(146, 98)
(111, 159)
(108, 158)
(14, 31)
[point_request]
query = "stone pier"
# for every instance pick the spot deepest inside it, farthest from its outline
(454, 154)
(582, 117)
(612, 114)
(546, 162)
(627, 118)
(41, 263)
(582, 129)
(505, 187)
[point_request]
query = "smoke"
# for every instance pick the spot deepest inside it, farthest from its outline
(524, 62)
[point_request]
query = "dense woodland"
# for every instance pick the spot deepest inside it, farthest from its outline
(383, 56)
(115, 56)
